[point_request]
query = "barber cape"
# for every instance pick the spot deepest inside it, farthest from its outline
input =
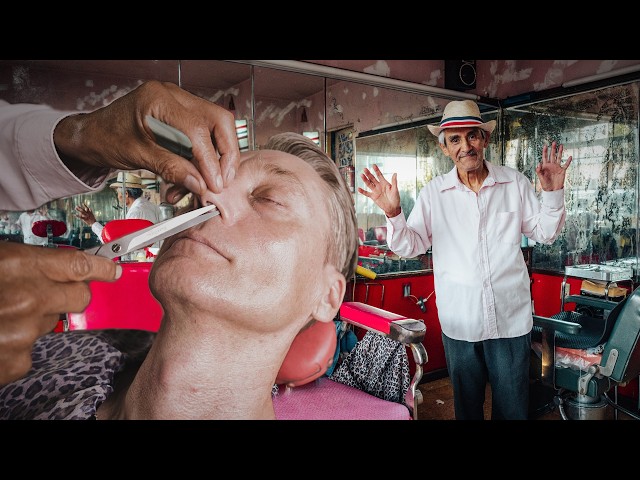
(72, 374)
(377, 365)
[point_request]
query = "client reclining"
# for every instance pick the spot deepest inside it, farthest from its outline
(235, 291)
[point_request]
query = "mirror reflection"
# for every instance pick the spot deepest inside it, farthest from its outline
(288, 101)
(362, 125)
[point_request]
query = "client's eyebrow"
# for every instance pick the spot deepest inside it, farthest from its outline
(291, 181)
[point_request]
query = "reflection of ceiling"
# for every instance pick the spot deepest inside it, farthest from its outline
(210, 74)
(272, 83)
(164, 70)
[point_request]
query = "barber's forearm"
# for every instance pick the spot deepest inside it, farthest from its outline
(32, 172)
(73, 144)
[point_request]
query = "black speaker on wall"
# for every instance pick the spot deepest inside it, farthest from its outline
(460, 74)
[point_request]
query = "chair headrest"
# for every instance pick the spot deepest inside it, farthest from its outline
(119, 228)
(310, 355)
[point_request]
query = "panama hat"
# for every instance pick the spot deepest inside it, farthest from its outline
(130, 181)
(462, 114)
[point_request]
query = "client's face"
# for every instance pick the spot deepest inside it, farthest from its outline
(261, 260)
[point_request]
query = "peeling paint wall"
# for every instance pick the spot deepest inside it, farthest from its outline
(497, 79)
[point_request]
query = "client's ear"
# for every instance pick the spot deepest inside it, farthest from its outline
(333, 286)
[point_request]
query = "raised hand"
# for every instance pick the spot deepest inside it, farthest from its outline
(550, 170)
(384, 194)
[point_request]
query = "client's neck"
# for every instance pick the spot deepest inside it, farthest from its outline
(223, 373)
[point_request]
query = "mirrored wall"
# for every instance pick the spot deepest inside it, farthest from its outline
(363, 124)
(599, 129)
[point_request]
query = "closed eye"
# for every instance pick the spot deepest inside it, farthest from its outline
(265, 200)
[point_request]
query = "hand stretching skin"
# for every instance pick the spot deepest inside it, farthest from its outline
(117, 137)
(37, 285)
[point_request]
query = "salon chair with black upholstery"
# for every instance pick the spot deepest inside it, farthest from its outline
(583, 358)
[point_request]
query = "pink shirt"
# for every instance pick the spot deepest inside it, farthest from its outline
(480, 277)
(32, 173)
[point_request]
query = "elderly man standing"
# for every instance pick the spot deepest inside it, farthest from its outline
(137, 205)
(473, 218)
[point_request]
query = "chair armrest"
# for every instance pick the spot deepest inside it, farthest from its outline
(397, 327)
(557, 325)
(591, 302)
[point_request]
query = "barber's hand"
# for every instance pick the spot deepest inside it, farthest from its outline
(116, 136)
(550, 170)
(384, 194)
(37, 285)
(84, 213)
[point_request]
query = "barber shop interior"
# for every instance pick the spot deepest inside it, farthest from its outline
(496, 205)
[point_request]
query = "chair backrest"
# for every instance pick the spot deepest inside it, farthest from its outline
(624, 338)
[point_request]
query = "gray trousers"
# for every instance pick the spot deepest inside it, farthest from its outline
(503, 362)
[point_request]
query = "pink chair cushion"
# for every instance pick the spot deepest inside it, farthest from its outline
(325, 399)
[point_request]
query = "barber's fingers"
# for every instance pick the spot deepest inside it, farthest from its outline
(19, 261)
(212, 132)
(225, 157)
(57, 297)
(68, 265)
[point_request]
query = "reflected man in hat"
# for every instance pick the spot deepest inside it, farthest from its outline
(473, 218)
(137, 205)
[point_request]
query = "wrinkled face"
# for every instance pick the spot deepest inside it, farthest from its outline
(260, 260)
(120, 197)
(465, 146)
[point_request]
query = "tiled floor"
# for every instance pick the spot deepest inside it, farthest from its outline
(437, 403)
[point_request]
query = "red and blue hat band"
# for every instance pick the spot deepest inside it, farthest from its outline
(460, 121)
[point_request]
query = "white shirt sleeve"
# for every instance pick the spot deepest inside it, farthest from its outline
(96, 228)
(32, 172)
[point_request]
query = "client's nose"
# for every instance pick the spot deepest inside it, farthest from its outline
(230, 203)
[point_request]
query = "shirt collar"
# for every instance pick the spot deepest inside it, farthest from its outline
(496, 175)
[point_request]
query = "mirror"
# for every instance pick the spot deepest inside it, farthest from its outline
(287, 101)
(78, 85)
(226, 84)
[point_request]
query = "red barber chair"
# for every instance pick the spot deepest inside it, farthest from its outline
(304, 391)
(49, 229)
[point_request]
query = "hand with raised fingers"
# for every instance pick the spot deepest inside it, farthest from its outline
(384, 194)
(551, 172)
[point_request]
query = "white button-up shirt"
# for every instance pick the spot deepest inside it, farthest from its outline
(481, 280)
(140, 208)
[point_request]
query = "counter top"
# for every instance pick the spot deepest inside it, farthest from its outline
(402, 274)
